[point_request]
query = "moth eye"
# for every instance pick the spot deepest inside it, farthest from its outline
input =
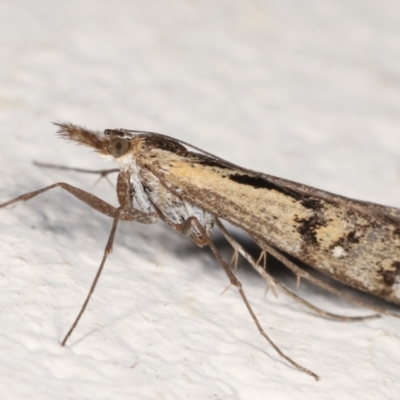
(118, 147)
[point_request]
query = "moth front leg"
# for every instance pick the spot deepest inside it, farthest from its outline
(125, 212)
(128, 214)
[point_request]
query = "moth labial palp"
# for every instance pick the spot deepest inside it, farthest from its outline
(354, 242)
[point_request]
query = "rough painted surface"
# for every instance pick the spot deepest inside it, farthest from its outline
(315, 90)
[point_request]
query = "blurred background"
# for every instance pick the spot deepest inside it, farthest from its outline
(303, 89)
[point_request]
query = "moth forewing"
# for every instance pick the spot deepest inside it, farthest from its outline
(354, 242)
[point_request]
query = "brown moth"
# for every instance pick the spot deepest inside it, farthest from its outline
(354, 242)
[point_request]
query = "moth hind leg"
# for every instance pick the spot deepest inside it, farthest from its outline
(301, 273)
(272, 283)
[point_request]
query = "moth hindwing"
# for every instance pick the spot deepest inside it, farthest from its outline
(354, 242)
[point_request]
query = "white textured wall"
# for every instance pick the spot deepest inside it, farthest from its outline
(306, 90)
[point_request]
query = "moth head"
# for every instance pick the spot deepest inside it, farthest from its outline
(118, 145)
(112, 142)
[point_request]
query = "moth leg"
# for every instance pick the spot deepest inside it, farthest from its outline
(263, 256)
(89, 199)
(102, 172)
(271, 282)
(121, 213)
(185, 228)
(268, 278)
(107, 251)
(234, 259)
(126, 213)
(303, 274)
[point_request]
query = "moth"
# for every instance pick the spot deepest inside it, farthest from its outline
(162, 178)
